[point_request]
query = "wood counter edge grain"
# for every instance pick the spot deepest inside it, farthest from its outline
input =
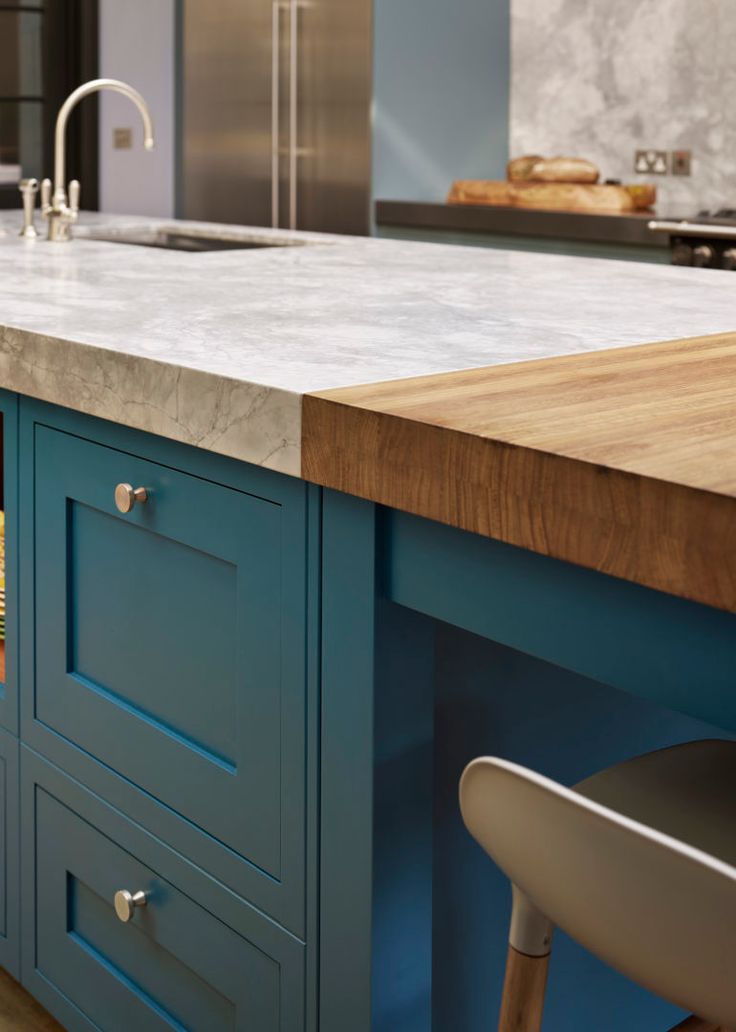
(421, 446)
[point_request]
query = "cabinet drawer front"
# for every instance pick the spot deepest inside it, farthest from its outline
(174, 965)
(169, 643)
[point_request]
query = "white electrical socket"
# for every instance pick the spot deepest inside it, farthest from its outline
(651, 162)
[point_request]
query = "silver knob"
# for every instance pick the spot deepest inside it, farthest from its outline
(126, 496)
(126, 903)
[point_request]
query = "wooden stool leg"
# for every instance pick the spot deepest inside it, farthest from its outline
(523, 992)
(530, 942)
(694, 1024)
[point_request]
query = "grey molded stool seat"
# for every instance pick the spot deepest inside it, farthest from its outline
(637, 863)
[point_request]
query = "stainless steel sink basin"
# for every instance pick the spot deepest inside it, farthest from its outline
(191, 240)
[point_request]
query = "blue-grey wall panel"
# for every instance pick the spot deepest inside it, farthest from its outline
(441, 95)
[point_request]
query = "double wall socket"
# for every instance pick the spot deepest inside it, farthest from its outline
(659, 162)
(651, 162)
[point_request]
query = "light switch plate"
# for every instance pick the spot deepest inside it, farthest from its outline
(681, 162)
(122, 139)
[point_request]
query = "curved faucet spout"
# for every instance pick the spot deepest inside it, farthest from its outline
(57, 208)
(93, 86)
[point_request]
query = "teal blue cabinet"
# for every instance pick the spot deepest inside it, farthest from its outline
(236, 697)
(173, 965)
(167, 662)
(9, 505)
(9, 855)
(9, 828)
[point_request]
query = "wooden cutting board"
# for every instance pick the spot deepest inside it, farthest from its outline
(600, 197)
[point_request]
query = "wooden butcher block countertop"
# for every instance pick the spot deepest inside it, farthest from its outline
(623, 461)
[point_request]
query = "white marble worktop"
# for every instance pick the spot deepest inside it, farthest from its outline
(217, 349)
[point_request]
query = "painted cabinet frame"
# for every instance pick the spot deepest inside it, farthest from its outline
(676, 653)
(9, 855)
(9, 689)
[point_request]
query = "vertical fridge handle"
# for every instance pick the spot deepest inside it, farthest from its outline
(293, 110)
(275, 98)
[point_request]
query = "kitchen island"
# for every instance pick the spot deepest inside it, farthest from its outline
(384, 485)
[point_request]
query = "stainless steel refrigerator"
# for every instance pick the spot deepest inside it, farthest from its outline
(275, 119)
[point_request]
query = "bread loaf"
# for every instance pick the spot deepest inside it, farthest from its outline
(534, 169)
(602, 197)
(518, 170)
(644, 194)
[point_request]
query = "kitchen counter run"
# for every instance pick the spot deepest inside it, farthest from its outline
(217, 349)
(501, 392)
(590, 227)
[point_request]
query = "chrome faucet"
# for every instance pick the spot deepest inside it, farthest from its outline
(59, 209)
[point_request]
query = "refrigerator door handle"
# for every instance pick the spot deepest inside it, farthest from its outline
(293, 111)
(275, 99)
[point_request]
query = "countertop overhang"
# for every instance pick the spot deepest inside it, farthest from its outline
(622, 461)
(589, 227)
(533, 398)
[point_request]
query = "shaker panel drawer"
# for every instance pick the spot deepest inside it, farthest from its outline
(170, 647)
(172, 965)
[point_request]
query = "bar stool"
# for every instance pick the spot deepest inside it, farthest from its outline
(636, 863)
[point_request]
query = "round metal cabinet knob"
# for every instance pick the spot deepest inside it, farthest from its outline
(126, 496)
(126, 903)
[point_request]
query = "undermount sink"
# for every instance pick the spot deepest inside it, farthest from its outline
(191, 241)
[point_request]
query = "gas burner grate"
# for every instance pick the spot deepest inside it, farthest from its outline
(721, 215)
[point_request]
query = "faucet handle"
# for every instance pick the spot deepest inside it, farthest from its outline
(45, 196)
(74, 192)
(28, 189)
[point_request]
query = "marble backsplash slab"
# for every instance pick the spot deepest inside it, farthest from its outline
(600, 79)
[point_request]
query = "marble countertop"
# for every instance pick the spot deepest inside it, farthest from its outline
(217, 349)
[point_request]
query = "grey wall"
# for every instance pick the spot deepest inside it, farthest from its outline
(441, 96)
(441, 93)
(137, 45)
(600, 79)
